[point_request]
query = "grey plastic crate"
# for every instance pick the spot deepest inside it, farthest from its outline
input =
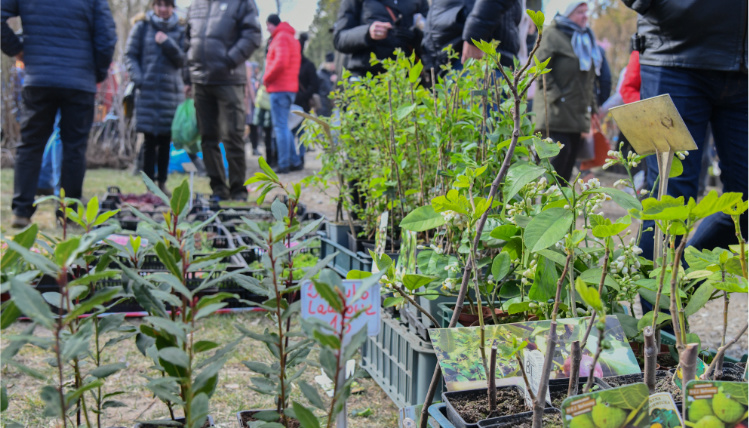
(345, 260)
(400, 362)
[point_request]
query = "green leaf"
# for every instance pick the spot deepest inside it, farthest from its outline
(165, 256)
(92, 209)
(78, 343)
(501, 266)
(66, 251)
(9, 313)
(357, 274)
(199, 409)
(712, 204)
(593, 276)
(26, 239)
(415, 72)
(327, 340)
(608, 230)
(731, 284)
(677, 168)
(267, 169)
(629, 398)
(518, 176)
(519, 307)
(421, 219)
(403, 112)
(206, 381)
(260, 368)
(453, 201)
(328, 292)
(623, 199)
(175, 356)
(647, 320)
(668, 208)
(204, 345)
(107, 370)
(31, 303)
(3, 398)
(171, 327)
(589, 295)
(101, 219)
(310, 392)
(180, 197)
(102, 296)
(547, 228)
(545, 281)
(51, 398)
(546, 149)
(305, 417)
(414, 281)
(504, 232)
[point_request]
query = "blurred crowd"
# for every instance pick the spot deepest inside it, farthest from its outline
(205, 57)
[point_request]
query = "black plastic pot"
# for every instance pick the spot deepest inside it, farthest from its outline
(140, 425)
(452, 413)
(514, 420)
(733, 372)
(561, 385)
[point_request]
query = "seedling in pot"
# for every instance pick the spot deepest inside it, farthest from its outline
(167, 336)
(285, 342)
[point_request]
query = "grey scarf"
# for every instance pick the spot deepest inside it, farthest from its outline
(583, 43)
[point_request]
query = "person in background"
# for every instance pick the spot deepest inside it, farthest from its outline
(281, 79)
(250, 91)
(327, 77)
(56, 78)
(155, 55)
(221, 36)
(309, 85)
(456, 23)
(569, 96)
(696, 51)
(376, 26)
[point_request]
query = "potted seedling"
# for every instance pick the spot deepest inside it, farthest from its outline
(285, 342)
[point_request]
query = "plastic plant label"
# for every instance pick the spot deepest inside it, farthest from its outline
(663, 411)
(314, 306)
(533, 361)
(626, 406)
(715, 404)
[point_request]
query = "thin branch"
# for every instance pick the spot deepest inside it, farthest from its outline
(721, 351)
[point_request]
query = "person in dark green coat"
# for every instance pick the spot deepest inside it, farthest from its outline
(565, 106)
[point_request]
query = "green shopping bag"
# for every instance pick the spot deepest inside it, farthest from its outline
(185, 133)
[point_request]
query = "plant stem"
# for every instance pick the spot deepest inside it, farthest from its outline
(482, 329)
(393, 152)
(742, 243)
(63, 281)
(525, 377)
(491, 377)
(418, 306)
(540, 402)
(721, 351)
(651, 356)
(599, 348)
(281, 405)
(719, 364)
(679, 327)
(661, 280)
(576, 355)
(688, 363)
(336, 386)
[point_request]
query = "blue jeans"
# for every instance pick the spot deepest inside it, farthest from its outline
(703, 97)
(280, 107)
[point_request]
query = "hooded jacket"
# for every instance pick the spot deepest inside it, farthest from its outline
(221, 35)
(701, 34)
(570, 94)
(66, 45)
(451, 22)
(351, 33)
(283, 61)
(156, 71)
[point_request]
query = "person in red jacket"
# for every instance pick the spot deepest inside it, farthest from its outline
(630, 90)
(282, 82)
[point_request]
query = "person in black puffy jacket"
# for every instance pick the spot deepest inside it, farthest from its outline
(221, 35)
(155, 56)
(364, 27)
(67, 48)
(456, 22)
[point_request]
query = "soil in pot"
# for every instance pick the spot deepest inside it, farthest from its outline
(553, 420)
(247, 416)
(473, 406)
(666, 360)
(208, 423)
(663, 384)
(733, 372)
(616, 381)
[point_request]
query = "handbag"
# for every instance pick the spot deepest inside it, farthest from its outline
(262, 99)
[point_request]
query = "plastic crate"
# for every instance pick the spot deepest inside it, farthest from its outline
(345, 260)
(400, 362)
(669, 339)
